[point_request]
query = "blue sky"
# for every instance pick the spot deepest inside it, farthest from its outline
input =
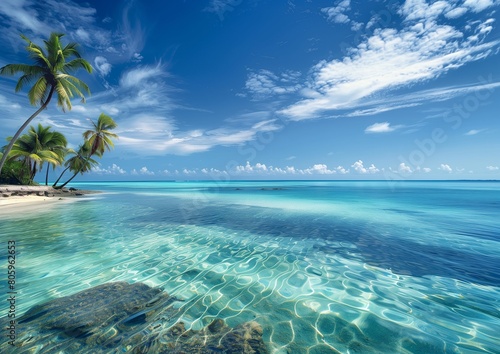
(235, 89)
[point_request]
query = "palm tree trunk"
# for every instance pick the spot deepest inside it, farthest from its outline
(33, 171)
(77, 172)
(47, 175)
(69, 180)
(55, 183)
(20, 130)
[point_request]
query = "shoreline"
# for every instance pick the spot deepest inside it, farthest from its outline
(14, 198)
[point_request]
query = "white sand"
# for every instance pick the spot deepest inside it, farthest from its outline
(20, 205)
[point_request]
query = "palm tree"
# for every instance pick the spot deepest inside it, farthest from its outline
(32, 150)
(49, 75)
(80, 163)
(97, 140)
(55, 142)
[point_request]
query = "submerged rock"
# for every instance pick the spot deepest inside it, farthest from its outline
(120, 317)
(217, 337)
(79, 314)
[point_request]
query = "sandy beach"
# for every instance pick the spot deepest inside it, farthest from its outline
(14, 198)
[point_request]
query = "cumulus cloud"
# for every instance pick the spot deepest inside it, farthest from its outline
(321, 169)
(492, 168)
(358, 167)
(342, 170)
(445, 168)
(337, 14)
(143, 171)
(266, 170)
(404, 169)
(114, 169)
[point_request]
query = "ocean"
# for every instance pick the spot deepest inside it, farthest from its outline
(322, 266)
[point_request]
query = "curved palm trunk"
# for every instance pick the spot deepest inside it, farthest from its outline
(33, 172)
(69, 180)
(77, 172)
(20, 130)
(62, 173)
(47, 175)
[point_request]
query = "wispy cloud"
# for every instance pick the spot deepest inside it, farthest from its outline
(492, 168)
(220, 7)
(79, 22)
(473, 132)
(393, 58)
(384, 127)
(162, 138)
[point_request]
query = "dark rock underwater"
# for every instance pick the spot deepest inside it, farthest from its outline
(119, 317)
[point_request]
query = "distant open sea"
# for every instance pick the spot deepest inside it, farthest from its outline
(356, 267)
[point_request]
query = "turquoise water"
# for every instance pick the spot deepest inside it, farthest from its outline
(324, 267)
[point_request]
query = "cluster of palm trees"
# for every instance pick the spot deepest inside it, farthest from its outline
(50, 75)
(43, 146)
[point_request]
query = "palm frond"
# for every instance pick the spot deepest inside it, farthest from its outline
(77, 63)
(63, 96)
(38, 93)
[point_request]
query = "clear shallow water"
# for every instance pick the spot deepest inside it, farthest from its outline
(322, 266)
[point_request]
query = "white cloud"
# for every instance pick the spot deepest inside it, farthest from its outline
(289, 158)
(342, 170)
(456, 12)
(337, 14)
(102, 65)
(321, 169)
(478, 5)
(111, 170)
(82, 35)
(137, 57)
(21, 15)
(473, 132)
(492, 168)
(445, 168)
(419, 9)
(426, 169)
(404, 169)
(384, 127)
(220, 7)
(158, 136)
(358, 167)
(265, 170)
(422, 50)
(265, 84)
(143, 171)
(140, 75)
(5, 104)
(78, 108)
